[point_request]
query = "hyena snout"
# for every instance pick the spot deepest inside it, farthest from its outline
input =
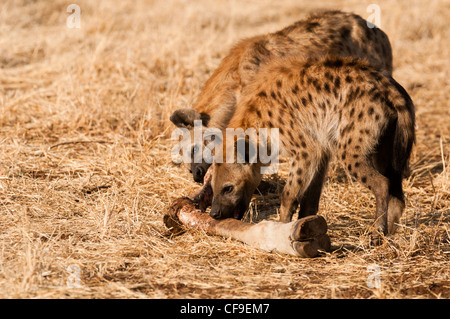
(215, 212)
(198, 171)
(223, 211)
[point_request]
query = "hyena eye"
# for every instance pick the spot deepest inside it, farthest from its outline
(227, 189)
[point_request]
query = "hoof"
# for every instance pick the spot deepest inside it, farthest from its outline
(308, 228)
(313, 247)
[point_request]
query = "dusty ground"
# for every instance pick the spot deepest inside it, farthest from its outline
(85, 169)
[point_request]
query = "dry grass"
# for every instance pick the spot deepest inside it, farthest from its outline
(85, 169)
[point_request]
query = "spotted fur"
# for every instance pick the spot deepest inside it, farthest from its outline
(321, 34)
(333, 107)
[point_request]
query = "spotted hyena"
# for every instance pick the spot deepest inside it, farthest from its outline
(321, 34)
(334, 107)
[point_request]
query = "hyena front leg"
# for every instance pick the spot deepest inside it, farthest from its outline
(309, 204)
(301, 172)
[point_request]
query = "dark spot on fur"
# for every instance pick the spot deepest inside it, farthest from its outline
(360, 115)
(311, 25)
(304, 155)
(304, 101)
(262, 94)
(352, 63)
(299, 171)
(387, 101)
(272, 94)
(364, 179)
(256, 61)
(352, 111)
(348, 79)
(326, 87)
(279, 83)
(376, 76)
(317, 85)
(333, 63)
(375, 96)
(337, 83)
(285, 70)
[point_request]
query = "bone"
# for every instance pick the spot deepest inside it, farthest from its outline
(203, 197)
(305, 237)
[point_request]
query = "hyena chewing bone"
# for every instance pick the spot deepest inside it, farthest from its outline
(305, 237)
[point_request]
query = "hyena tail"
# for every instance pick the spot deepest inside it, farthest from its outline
(404, 135)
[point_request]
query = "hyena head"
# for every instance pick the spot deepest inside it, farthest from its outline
(185, 118)
(233, 183)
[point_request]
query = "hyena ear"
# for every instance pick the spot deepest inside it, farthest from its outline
(186, 118)
(246, 151)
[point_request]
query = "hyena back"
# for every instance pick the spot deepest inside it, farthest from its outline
(321, 34)
(335, 107)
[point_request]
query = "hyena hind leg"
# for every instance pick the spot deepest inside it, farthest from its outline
(396, 199)
(382, 160)
(363, 170)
